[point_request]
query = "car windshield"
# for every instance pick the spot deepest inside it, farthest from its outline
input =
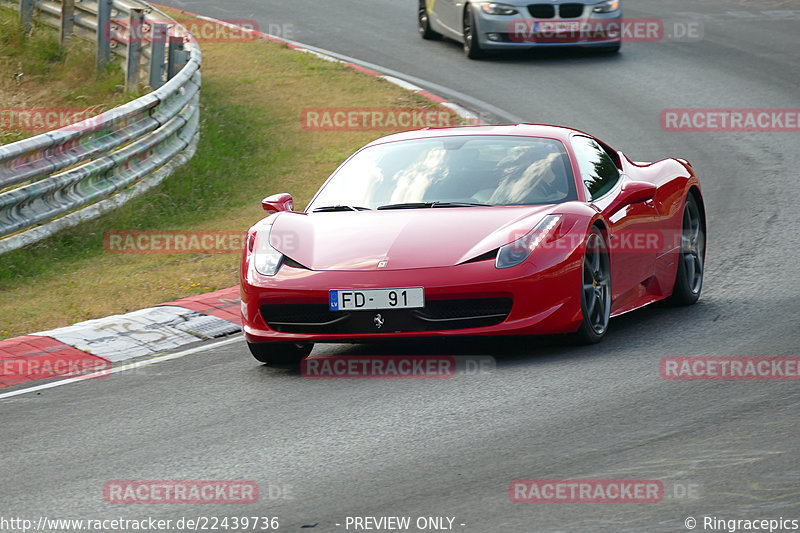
(455, 171)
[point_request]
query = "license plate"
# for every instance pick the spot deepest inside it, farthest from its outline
(556, 27)
(368, 299)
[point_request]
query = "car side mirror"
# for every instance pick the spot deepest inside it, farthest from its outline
(632, 192)
(278, 202)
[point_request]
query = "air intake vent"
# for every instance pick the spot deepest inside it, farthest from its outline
(436, 315)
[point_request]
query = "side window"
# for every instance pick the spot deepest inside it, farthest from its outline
(598, 171)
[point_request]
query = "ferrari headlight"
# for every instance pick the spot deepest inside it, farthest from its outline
(495, 8)
(606, 7)
(515, 253)
(266, 259)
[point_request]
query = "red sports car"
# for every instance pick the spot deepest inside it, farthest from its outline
(482, 230)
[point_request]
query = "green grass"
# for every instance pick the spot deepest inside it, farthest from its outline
(37, 71)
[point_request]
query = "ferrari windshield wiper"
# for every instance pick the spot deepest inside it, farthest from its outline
(459, 204)
(329, 208)
(419, 205)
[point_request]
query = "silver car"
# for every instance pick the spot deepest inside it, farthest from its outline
(522, 24)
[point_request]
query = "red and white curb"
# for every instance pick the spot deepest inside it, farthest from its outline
(95, 346)
(31, 358)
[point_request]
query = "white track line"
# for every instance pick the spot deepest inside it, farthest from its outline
(123, 368)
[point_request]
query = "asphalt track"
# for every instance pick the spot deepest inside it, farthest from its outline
(548, 410)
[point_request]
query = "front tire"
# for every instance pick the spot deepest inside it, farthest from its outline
(279, 353)
(595, 289)
(472, 48)
(691, 259)
(424, 22)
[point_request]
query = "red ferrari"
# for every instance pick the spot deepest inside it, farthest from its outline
(481, 230)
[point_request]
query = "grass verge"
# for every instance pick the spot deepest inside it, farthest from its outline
(252, 144)
(37, 71)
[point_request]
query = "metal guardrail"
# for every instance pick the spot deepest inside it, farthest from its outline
(78, 172)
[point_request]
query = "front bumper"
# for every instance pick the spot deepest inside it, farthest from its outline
(515, 32)
(542, 301)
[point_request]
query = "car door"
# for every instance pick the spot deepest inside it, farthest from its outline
(631, 250)
(449, 14)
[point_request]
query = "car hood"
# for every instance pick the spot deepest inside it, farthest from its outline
(402, 238)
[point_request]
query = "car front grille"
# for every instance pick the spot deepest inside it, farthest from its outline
(542, 11)
(548, 11)
(436, 315)
(570, 11)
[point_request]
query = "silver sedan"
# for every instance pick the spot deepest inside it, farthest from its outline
(520, 24)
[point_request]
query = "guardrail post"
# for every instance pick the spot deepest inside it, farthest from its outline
(157, 48)
(67, 19)
(135, 29)
(103, 33)
(26, 14)
(177, 57)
